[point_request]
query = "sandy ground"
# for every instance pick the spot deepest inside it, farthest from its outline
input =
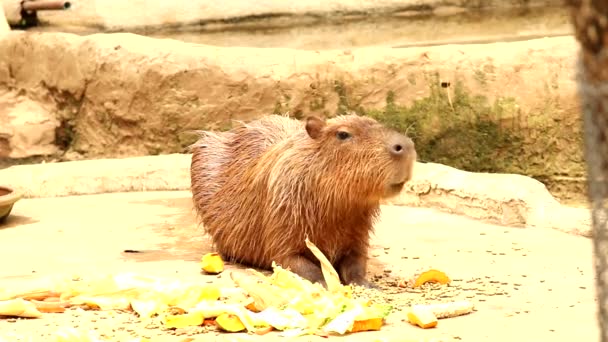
(527, 284)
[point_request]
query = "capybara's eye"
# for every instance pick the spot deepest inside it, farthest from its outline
(342, 135)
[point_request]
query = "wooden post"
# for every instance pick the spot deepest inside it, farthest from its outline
(4, 28)
(590, 19)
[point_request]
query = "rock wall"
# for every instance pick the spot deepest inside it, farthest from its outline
(113, 95)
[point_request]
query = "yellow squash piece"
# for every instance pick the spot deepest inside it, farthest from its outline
(288, 280)
(188, 297)
(147, 308)
(422, 317)
(19, 308)
(211, 309)
(368, 324)
(31, 295)
(432, 276)
(100, 302)
(260, 288)
(212, 263)
(185, 320)
(229, 322)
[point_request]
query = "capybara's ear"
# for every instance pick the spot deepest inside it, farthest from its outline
(314, 126)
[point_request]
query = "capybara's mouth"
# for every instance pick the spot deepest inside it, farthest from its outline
(393, 189)
(396, 187)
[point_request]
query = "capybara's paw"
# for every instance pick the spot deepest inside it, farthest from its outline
(365, 283)
(371, 285)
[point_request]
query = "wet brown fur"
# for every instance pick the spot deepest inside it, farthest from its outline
(263, 187)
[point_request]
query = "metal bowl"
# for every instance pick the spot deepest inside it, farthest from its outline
(8, 197)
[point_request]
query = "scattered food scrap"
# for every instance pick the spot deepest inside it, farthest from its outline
(229, 322)
(422, 317)
(432, 276)
(426, 316)
(19, 307)
(451, 309)
(259, 304)
(212, 263)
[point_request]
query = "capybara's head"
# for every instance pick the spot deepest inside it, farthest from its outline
(362, 156)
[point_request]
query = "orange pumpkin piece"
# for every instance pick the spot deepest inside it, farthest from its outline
(251, 307)
(263, 331)
(432, 276)
(366, 325)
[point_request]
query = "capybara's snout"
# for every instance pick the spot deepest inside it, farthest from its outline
(401, 146)
(403, 153)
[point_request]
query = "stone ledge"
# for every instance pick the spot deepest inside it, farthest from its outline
(96, 176)
(506, 199)
(138, 14)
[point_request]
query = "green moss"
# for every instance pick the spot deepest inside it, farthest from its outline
(480, 77)
(454, 126)
(470, 132)
(343, 101)
(317, 103)
(460, 130)
(226, 125)
(346, 103)
(186, 138)
(278, 108)
(281, 106)
(65, 134)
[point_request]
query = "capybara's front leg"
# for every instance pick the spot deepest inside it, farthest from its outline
(302, 266)
(352, 269)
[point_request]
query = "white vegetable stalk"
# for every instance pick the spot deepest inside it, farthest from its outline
(448, 310)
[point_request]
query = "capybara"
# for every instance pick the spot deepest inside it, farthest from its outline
(265, 186)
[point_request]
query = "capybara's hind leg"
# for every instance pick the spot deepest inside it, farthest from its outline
(302, 266)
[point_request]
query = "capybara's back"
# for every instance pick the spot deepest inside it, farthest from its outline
(262, 188)
(221, 156)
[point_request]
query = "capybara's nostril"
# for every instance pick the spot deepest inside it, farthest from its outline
(400, 145)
